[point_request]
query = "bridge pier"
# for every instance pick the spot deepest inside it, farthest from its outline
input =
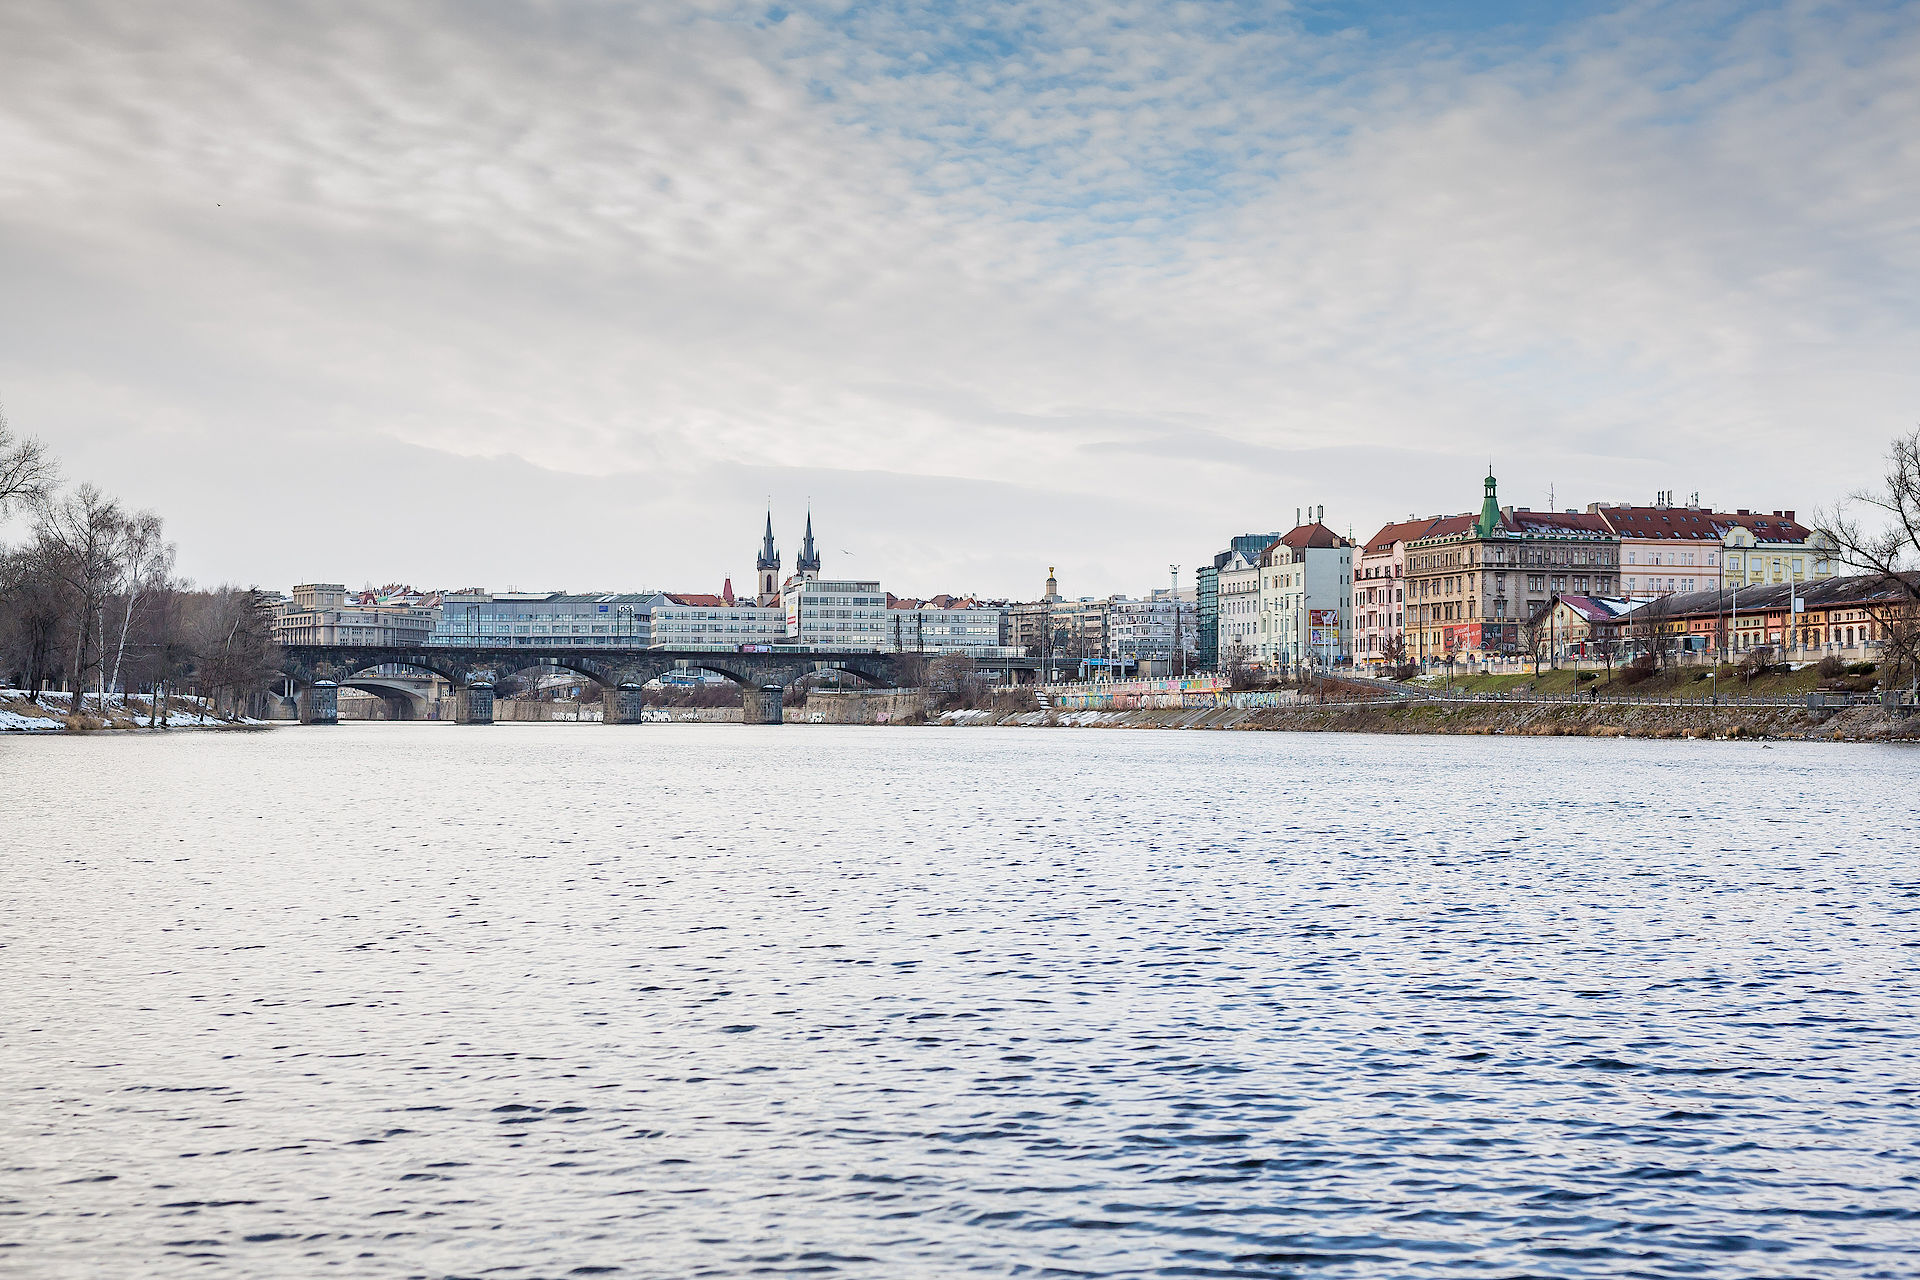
(319, 703)
(473, 704)
(762, 705)
(622, 705)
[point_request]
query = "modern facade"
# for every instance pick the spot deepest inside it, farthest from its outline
(843, 615)
(531, 619)
(689, 621)
(1155, 636)
(943, 625)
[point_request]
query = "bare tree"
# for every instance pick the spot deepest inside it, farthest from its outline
(83, 537)
(159, 656)
(33, 609)
(1233, 663)
(232, 643)
(1647, 630)
(145, 565)
(1536, 634)
(1393, 651)
(26, 473)
(1884, 540)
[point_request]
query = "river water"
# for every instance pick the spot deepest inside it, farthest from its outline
(709, 1000)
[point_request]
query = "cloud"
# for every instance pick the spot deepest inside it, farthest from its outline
(1173, 269)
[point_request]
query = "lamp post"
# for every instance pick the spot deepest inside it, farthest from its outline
(1173, 571)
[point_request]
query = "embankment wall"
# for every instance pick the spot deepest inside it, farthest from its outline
(1601, 720)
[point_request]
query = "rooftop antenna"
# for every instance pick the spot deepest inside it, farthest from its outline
(1552, 505)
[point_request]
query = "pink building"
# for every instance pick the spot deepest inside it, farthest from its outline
(1378, 591)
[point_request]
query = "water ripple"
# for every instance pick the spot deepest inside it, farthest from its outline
(713, 1001)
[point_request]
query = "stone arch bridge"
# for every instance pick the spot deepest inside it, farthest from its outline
(319, 670)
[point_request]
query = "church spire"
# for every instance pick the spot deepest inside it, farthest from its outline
(768, 569)
(769, 558)
(808, 561)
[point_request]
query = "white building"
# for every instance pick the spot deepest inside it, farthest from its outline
(530, 619)
(1240, 605)
(710, 622)
(942, 625)
(1141, 634)
(1306, 603)
(839, 615)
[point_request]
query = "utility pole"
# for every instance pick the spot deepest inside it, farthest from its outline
(1174, 571)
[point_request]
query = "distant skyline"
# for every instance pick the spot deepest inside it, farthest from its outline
(563, 295)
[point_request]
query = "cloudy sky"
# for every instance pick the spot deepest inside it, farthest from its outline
(563, 293)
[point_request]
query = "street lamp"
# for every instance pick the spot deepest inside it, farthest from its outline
(1174, 571)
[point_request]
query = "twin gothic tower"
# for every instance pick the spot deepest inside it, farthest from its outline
(805, 566)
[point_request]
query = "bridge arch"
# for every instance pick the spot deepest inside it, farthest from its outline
(602, 673)
(868, 678)
(303, 675)
(407, 704)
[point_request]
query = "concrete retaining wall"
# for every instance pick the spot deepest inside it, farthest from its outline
(859, 706)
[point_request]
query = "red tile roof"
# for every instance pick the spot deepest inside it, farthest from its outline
(1661, 522)
(1775, 527)
(1315, 535)
(1404, 531)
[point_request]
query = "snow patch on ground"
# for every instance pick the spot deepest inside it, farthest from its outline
(20, 722)
(18, 715)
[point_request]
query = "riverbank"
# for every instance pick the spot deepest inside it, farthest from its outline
(19, 714)
(1593, 720)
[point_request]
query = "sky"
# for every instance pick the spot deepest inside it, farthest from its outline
(565, 294)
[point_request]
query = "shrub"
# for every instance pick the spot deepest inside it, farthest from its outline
(1637, 670)
(1829, 667)
(1583, 677)
(1863, 668)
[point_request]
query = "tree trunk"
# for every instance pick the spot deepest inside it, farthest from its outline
(126, 623)
(79, 703)
(100, 647)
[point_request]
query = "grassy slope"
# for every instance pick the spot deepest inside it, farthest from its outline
(1668, 684)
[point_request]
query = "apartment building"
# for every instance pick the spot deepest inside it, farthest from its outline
(1474, 582)
(1243, 555)
(1305, 597)
(1379, 590)
(943, 624)
(1667, 548)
